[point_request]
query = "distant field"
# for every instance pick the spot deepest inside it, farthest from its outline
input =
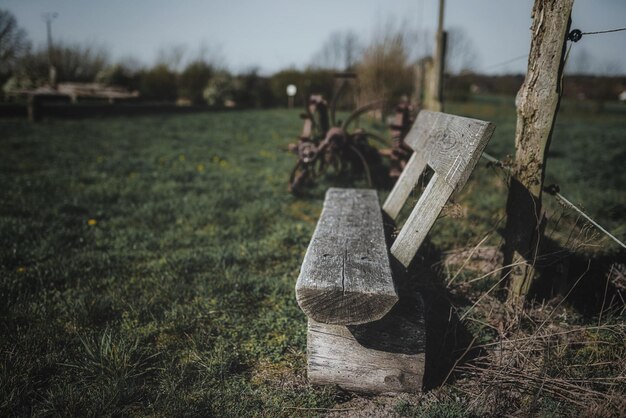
(148, 264)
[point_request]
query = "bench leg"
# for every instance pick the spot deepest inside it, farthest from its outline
(382, 356)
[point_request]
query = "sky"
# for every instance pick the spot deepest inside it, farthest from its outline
(276, 34)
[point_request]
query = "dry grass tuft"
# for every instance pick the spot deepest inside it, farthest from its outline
(538, 357)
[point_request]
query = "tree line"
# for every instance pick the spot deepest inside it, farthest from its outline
(384, 68)
(384, 65)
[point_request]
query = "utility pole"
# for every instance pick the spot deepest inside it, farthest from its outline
(48, 18)
(537, 106)
(434, 75)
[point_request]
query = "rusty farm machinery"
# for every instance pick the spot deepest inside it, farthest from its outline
(327, 142)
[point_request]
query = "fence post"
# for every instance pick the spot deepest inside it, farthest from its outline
(420, 77)
(433, 99)
(35, 107)
(537, 106)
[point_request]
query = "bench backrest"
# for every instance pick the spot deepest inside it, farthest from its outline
(451, 146)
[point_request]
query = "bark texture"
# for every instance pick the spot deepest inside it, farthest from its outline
(537, 106)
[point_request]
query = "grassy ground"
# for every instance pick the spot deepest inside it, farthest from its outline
(148, 264)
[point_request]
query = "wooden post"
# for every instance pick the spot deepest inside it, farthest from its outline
(440, 58)
(34, 107)
(434, 75)
(420, 78)
(52, 72)
(429, 86)
(537, 106)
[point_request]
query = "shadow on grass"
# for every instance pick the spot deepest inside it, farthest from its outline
(591, 284)
(448, 341)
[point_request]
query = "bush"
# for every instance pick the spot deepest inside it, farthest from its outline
(220, 89)
(73, 62)
(254, 91)
(193, 80)
(158, 83)
(384, 71)
(119, 75)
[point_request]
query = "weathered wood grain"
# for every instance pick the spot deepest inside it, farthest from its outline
(452, 145)
(345, 285)
(345, 277)
(416, 138)
(404, 185)
(421, 219)
(383, 356)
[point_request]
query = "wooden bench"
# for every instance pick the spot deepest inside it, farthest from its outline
(359, 337)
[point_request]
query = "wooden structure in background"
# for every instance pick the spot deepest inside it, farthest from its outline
(362, 335)
(71, 92)
(95, 91)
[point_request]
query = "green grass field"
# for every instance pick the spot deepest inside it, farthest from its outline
(148, 264)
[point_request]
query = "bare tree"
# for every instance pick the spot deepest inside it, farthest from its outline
(79, 62)
(172, 57)
(419, 44)
(177, 57)
(384, 71)
(461, 53)
(73, 62)
(341, 50)
(14, 42)
(211, 54)
(131, 63)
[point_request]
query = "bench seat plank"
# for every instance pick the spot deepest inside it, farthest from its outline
(345, 277)
(387, 355)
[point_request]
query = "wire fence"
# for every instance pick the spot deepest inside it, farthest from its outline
(554, 190)
(574, 36)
